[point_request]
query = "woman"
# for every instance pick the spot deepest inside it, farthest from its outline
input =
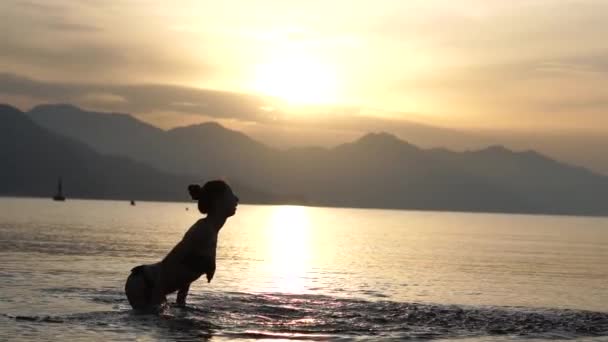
(148, 285)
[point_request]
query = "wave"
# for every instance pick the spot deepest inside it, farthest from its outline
(318, 317)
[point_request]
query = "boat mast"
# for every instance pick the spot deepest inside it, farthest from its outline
(59, 188)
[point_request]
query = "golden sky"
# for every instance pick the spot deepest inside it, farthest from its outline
(523, 65)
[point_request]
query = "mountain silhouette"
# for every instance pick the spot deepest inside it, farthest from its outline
(35, 158)
(190, 150)
(377, 170)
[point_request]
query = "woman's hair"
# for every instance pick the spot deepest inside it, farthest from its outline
(206, 194)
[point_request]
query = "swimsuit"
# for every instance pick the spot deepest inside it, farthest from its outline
(148, 281)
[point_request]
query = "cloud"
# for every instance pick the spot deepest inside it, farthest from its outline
(73, 27)
(482, 76)
(103, 99)
(42, 7)
(497, 30)
(141, 98)
(566, 92)
(45, 16)
(326, 124)
(85, 42)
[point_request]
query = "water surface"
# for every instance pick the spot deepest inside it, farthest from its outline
(306, 273)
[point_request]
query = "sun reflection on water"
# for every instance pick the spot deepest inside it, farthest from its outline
(289, 253)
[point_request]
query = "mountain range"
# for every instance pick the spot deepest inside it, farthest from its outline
(378, 170)
(33, 159)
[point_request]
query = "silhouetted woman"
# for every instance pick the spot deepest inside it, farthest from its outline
(148, 285)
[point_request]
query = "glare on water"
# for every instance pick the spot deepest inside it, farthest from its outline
(288, 248)
(73, 257)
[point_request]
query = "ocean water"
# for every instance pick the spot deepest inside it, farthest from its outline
(304, 273)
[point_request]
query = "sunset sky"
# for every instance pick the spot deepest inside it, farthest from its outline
(323, 70)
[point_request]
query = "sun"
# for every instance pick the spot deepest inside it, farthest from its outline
(297, 79)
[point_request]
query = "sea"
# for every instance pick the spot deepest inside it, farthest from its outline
(306, 274)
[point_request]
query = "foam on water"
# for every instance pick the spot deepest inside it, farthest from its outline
(315, 317)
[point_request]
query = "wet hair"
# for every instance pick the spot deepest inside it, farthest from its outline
(208, 193)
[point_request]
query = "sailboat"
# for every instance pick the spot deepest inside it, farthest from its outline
(59, 195)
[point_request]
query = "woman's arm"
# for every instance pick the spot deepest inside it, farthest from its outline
(182, 294)
(203, 244)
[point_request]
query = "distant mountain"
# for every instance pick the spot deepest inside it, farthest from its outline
(33, 159)
(378, 170)
(206, 150)
(110, 133)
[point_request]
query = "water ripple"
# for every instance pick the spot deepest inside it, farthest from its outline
(317, 317)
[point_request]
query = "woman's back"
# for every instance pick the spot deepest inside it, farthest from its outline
(200, 239)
